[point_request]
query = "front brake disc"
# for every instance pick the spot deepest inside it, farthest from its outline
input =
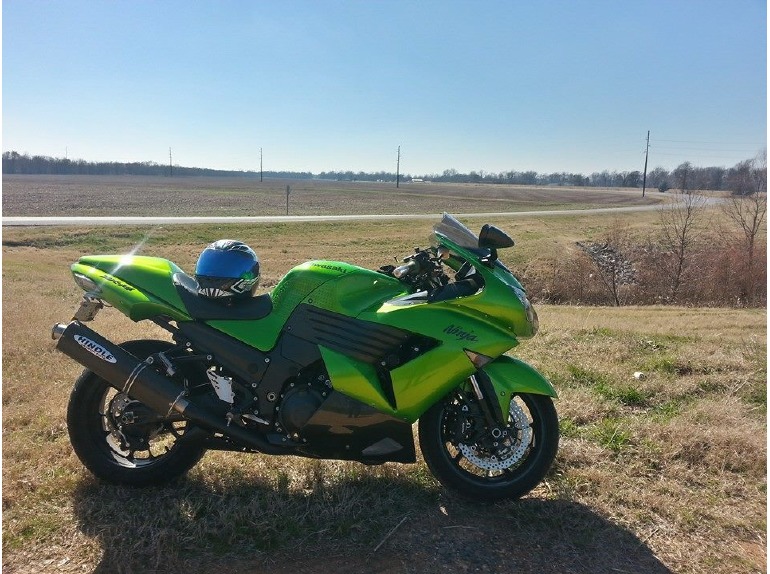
(513, 448)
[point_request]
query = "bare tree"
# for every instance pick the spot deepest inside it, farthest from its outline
(682, 175)
(658, 177)
(748, 176)
(748, 209)
(679, 220)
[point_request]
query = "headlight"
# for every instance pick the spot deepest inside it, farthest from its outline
(530, 310)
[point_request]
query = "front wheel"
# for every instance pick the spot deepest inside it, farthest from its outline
(122, 441)
(484, 463)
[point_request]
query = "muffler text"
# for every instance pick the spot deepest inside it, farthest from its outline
(95, 349)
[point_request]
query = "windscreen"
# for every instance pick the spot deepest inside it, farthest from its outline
(456, 232)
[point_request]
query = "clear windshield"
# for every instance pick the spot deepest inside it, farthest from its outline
(456, 232)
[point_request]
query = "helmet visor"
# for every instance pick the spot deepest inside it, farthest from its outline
(231, 264)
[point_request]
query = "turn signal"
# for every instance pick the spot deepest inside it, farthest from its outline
(85, 283)
(478, 360)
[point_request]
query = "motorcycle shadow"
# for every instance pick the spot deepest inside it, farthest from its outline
(359, 524)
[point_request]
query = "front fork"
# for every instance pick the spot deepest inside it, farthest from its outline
(491, 430)
(487, 398)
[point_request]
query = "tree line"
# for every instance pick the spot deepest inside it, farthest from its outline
(740, 179)
(16, 163)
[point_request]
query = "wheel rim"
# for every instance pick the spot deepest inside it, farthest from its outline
(472, 449)
(131, 435)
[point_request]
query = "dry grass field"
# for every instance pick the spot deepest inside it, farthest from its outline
(665, 474)
(28, 195)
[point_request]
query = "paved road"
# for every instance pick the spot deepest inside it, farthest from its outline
(38, 221)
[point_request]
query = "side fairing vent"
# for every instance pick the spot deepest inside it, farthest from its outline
(361, 340)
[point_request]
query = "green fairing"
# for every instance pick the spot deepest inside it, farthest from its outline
(355, 379)
(497, 281)
(358, 292)
(138, 286)
(416, 385)
(421, 382)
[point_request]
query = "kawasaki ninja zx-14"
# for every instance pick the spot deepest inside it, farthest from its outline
(336, 362)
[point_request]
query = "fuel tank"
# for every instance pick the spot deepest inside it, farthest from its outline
(332, 285)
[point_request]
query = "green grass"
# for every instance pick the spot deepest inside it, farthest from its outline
(629, 396)
(611, 434)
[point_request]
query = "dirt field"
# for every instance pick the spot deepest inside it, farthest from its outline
(665, 474)
(32, 195)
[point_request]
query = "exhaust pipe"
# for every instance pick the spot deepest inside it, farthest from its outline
(142, 382)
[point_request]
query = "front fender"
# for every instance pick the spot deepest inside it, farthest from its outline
(510, 376)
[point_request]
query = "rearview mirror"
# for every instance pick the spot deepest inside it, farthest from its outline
(493, 238)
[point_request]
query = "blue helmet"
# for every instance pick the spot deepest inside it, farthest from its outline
(227, 268)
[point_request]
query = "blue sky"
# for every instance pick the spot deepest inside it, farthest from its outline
(332, 85)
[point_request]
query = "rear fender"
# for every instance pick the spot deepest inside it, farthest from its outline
(510, 376)
(127, 298)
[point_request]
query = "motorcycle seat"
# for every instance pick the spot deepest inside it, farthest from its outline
(206, 309)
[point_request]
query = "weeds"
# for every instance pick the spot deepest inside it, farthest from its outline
(628, 396)
(611, 434)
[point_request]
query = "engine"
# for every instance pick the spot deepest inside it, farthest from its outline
(301, 399)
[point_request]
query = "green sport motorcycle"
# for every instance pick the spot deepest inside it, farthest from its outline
(336, 362)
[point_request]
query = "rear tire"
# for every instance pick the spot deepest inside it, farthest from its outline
(452, 442)
(155, 455)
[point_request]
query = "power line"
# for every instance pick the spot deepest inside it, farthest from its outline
(743, 150)
(723, 156)
(714, 143)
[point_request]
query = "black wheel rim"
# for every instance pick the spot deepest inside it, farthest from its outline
(132, 445)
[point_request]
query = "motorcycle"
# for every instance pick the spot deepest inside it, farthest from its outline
(337, 362)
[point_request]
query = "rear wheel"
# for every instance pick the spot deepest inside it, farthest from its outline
(486, 463)
(122, 441)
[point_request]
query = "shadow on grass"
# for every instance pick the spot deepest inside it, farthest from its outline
(357, 523)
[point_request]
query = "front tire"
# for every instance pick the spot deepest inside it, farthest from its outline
(118, 449)
(462, 454)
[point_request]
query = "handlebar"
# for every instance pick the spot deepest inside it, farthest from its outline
(424, 272)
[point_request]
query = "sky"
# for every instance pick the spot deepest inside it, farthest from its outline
(321, 85)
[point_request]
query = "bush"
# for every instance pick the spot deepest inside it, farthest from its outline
(718, 274)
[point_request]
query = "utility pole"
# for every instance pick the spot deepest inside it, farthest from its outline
(646, 155)
(260, 164)
(398, 165)
(288, 191)
(170, 165)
